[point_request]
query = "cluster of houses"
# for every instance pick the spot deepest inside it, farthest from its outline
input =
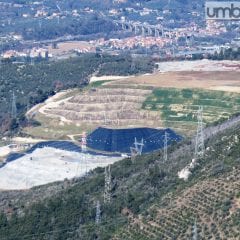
(32, 53)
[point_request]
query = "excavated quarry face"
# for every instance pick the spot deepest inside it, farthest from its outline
(111, 107)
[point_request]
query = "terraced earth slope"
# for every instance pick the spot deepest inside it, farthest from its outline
(106, 106)
(149, 201)
(121, 106)
(77, 111)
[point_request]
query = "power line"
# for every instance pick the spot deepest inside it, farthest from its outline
(137, 149)
(195, 232)
(84, 142)
(13, 107)
(98, 213)
(199, 143)
(108, 185)
(166, 138)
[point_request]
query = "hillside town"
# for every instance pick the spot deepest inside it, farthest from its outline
(192, 35)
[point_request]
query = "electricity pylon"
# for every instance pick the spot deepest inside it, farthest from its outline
(108, 185)
(84, 142)
(98, 213)
(195, 233)
(137, 149)
(199, 144)
(13, 107)
(139, 146)
(166, 138)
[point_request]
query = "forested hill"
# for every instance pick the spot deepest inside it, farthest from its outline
(32, 84)
(148, 200)
(93, 19)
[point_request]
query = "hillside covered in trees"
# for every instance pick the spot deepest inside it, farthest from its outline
(227, 54)
(148, 200)
(92, 19)
(33, 84)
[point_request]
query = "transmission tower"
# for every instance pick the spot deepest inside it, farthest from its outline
(98, 213)
(166, 138)
(199, 144)
(86, 165)
(134, 153)
(13, 107)
(84, 142)
(108, 185)
(195, 233)
(137, 149)
(139, 146)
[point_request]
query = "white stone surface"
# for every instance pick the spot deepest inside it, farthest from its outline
(185, 173)
(199, 65)
(4, 151)
(47, 165)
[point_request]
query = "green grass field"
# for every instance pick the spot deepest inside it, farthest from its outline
(178, 107)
